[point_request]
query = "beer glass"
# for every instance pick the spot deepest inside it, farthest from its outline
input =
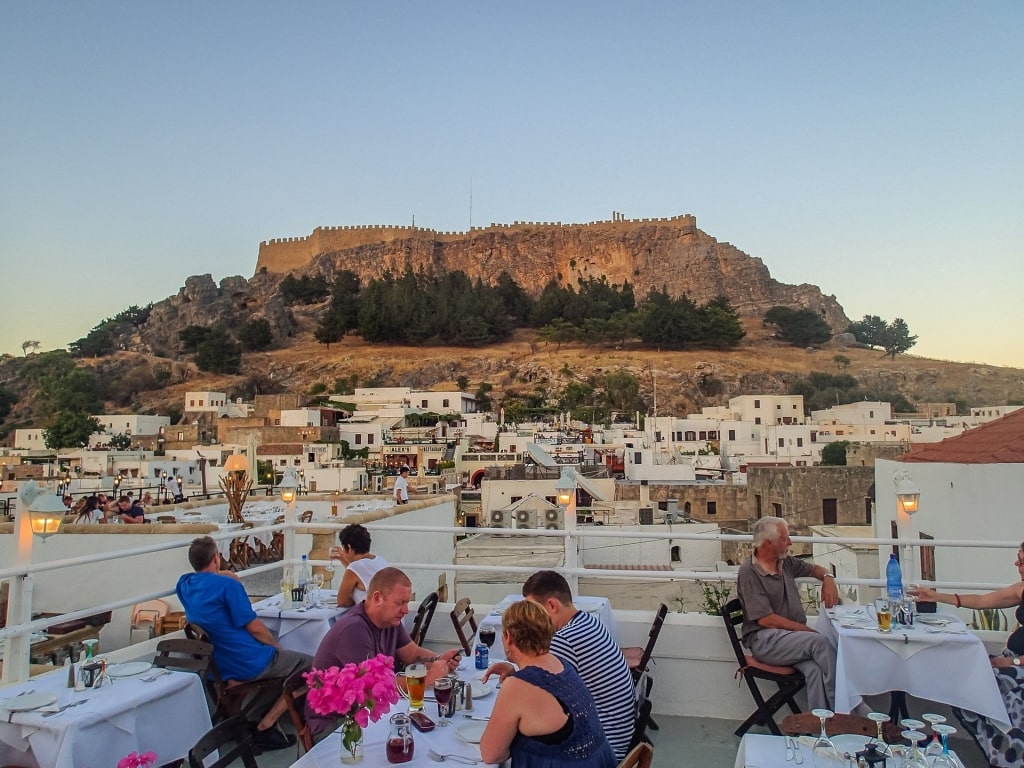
(415, 676)
(883, 609)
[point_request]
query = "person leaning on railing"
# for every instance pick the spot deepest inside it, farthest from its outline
(1005, 750)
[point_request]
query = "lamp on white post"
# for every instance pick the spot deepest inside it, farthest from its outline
(40, 513)
(289, 487)
(565, 491)
(908, 494)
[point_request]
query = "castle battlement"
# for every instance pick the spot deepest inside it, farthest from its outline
(284, 254)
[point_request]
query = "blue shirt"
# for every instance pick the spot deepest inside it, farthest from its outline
(220, 605)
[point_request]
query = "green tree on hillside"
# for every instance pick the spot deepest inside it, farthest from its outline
(256, 335)
(7, 401)
(799, 327)
(893, 337)
(71, 429)
(218, 353)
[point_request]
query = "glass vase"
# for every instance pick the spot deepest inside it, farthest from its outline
(351, 742)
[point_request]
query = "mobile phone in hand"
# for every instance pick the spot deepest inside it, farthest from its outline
(421, 722)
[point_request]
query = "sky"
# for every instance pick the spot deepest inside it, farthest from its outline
(873, 149)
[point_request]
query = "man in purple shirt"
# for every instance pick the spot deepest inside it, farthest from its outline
(372, 627)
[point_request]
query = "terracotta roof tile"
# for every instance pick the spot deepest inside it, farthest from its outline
(997, 442)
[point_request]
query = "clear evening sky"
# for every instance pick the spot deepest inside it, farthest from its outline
(871, 148)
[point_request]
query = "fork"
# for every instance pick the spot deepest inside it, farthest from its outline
(154, 676)
(437, 757)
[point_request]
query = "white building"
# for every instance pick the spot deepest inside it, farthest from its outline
(131, 423)
(768, 409)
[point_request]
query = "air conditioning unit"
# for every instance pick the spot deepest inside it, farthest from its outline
(498, 519)
(526, 518)
(554, 519)
(646, 515)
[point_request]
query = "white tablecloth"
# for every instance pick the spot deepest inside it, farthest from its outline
(761, 751)
(327, 752)
(914, 660)
(296, 629)
(599, 606)
(166, 716)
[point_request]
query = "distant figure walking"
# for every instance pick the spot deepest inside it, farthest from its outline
(402, 486)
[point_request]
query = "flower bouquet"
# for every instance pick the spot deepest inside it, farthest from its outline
(137, 760)
(359, 693)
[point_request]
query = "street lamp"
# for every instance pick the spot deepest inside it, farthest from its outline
(117, 485)
(908, 494)
(565, 488)
(289, 485)
(565, 491)
(45, 514)
(302, 481)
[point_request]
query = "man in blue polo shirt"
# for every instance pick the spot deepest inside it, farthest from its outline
(243, 648)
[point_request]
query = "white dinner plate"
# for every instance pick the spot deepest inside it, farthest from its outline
(481, 689)
(129, 668)
(28, 702)
(470, 732)
(934, 619)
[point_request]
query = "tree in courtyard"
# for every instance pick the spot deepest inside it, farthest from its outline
(71, 429)
(834, 454)
(120, 442)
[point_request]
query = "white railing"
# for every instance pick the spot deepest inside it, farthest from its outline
(15, 635)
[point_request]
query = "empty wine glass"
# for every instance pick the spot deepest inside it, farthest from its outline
(914, 758)
(333, 554)
(824, 751)
(944, 759)
(934, 748)
(878, 718)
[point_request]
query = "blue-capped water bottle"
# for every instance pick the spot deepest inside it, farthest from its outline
(893, 579)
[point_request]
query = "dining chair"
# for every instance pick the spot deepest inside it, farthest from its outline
(146, 615)
(788, 679)
(642, 707)
(424, 614)
(306, 517)
(231, 739)
(462, 615)
(185, 655)
(293, 694)
(639, 756)
(166, 519)
(230, 697)
(640, 658)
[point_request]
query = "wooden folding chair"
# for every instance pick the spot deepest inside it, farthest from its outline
(423, 616)
(639, 756)
(462, 615)
(788, 679)
(640, 658)
(230, 697)
(293, 694)
(306, 517)
(232, 740)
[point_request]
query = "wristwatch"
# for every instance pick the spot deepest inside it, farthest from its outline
(1016, 661)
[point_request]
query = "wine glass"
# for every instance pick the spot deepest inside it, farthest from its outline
(824, 751)
(934, 748)
(318, 584)
(944, 759)
(878, 718)
(914, 758)
(333, 554)
(443, 694)
(487, 636)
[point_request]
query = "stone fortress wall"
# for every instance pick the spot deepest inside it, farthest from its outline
(283, 255)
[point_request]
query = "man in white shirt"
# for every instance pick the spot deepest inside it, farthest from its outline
(402, 486)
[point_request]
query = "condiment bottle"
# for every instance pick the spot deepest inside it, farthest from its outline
(400, 746)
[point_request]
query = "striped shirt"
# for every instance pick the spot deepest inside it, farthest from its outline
(585, 644)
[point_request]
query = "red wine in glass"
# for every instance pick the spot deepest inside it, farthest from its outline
(487, 636)
(443, 695)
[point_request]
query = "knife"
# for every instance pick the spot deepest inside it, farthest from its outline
(789, 749)
(477, 717)
(797, 753)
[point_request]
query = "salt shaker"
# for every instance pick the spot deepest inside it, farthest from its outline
(469, 696)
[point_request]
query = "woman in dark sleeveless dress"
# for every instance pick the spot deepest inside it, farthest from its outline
(544, 717)
(1005, 750)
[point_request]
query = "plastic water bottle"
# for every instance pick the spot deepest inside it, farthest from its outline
(894, 579)
(305, 581)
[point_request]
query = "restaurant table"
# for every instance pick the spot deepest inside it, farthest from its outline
(299, 629)
(762, 751)
(327, 752)
(916, 659)
(598, 606)
(166, 715)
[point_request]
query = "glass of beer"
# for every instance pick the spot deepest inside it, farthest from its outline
(415, 677)
(884, 610)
